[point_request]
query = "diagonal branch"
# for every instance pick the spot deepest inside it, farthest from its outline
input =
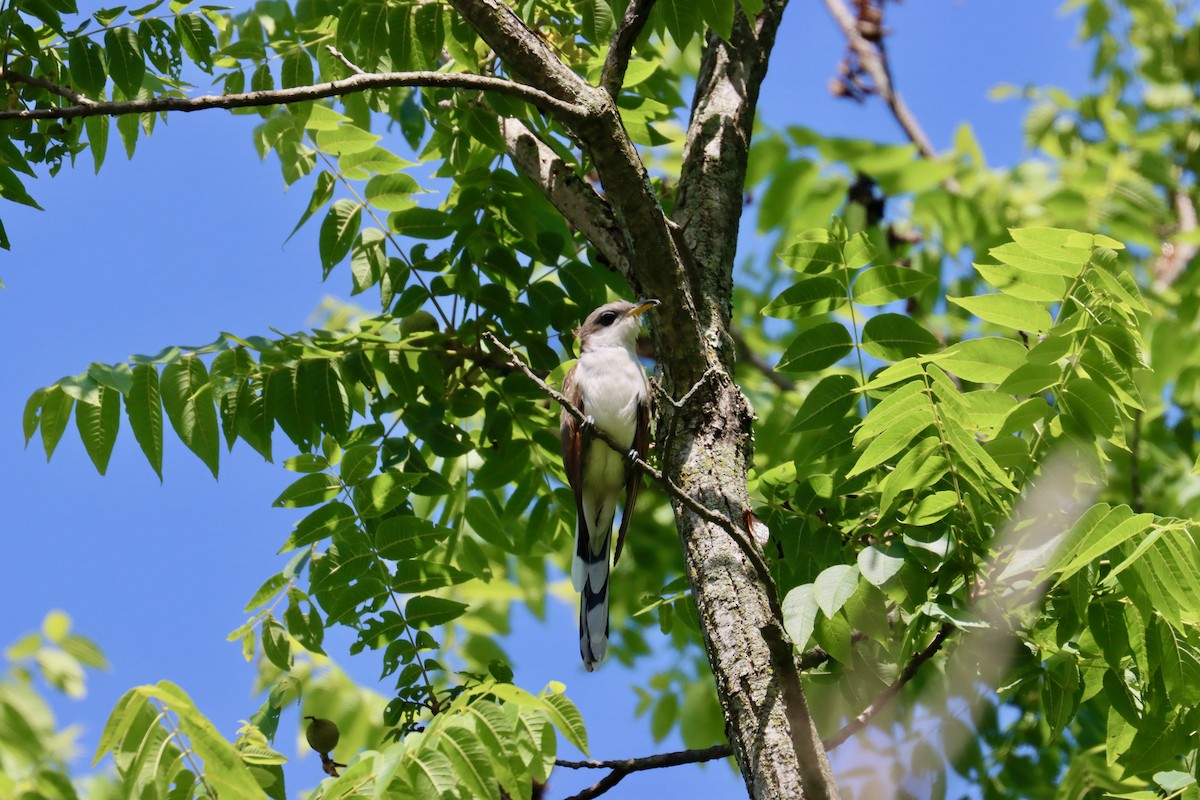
(355, 83)
(885, 697)
(630, 765)
(621, 47)
(577, 201)
(873, 59)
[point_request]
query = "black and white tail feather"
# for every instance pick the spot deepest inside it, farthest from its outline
(609, 385)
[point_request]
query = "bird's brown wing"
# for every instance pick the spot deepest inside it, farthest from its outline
(574, 443)
(633, 475)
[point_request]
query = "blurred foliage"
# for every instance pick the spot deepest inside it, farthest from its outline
(976, 393)
(34, 751)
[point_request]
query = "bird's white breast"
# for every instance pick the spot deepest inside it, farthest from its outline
(613, 384)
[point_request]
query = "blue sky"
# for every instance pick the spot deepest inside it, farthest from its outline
(187, 240)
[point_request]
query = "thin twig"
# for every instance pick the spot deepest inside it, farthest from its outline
(355, 68)
(621, 47)
(355, 83)
(62, 91)
(910, 670)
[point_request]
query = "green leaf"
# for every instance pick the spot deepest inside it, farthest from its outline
(425, 611)
(125, 62)
(143, 406)
(197, 39)
(892, 337)
(338, 233)
(476, 778)
(877, 566)
(816, 348)
(877, 286)
(1030, 379)
(188, 400)
(358, 462)
(405, 537)
(330, 520)
(1093, 535)
(421, 223)
(309, 490)
(87, 66)
(566, 718)
(1006, 311)
(894, 423)
(98, 425)
(276, 646)
(800, 614)
(391, 192)
(989, 359)
(828, 402)
(718, 15)
(1060, 692)
(662, 719)
(834, 586)
(930, 508)
(271, 587)
(56, 412)
(344, 139)
(1025, 284)
(379, 495)
(502, 464)
(811, 296)
(680, 19)
(33, 410)
(1091, 405)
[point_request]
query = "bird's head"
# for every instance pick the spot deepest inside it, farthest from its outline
(614, 325)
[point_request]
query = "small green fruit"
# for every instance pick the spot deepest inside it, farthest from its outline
(322, 735)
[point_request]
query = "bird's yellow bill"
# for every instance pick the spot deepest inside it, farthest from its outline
(641, 307)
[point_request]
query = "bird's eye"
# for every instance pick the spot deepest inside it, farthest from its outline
(608, 318)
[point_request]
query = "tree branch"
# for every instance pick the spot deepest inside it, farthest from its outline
(623, 767)
(577, 201)
(873, 59)
(355, 83)
(885, 697)
(621, 47)
(10, 76)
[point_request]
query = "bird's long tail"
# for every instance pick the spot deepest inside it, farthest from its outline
(590, 573)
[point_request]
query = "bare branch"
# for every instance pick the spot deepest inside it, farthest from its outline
(621, 47)
(601, 786)
(571, 195)
(62, 91)
(297, 94)
(906, 675)
(621, 768)
(873, 59)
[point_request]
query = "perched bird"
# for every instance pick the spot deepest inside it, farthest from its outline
(609, 386)
(323, 735)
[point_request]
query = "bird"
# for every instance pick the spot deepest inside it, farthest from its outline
(609, 385)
